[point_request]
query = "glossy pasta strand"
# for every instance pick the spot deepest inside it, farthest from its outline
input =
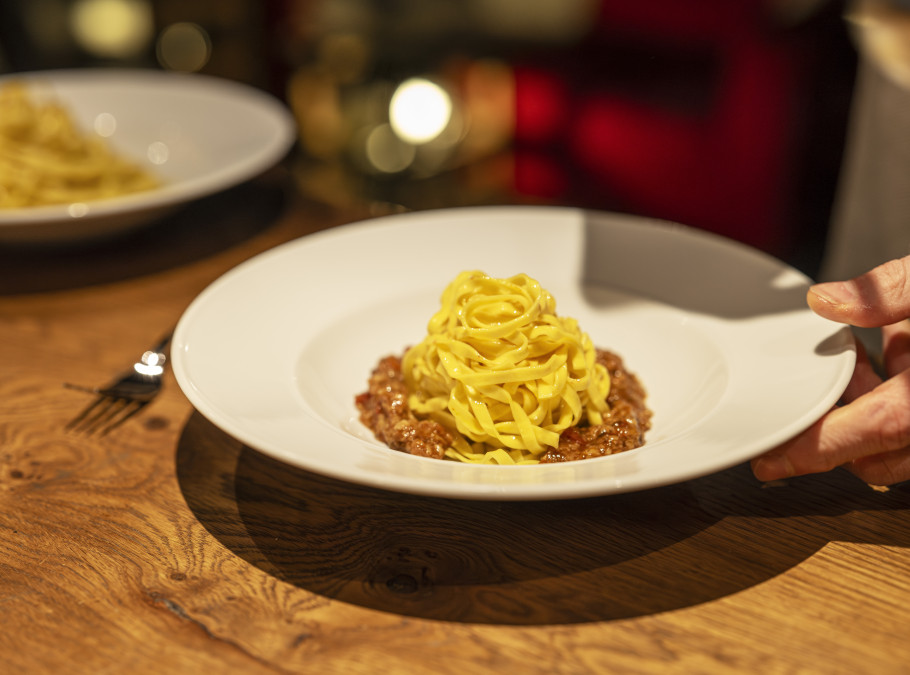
(500, 368)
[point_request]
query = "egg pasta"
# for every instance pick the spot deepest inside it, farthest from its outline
(45, 159)
(503, 372)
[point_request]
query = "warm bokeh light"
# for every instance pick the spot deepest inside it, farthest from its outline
(488, 102)
(184, 46)
(419, 110)
(77, 210)
(112, 28)
(386, 152)
(315, 100)
(105, 124)
(158, 152)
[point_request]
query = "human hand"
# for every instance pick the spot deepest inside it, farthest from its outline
(868, 433)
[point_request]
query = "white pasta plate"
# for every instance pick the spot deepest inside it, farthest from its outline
(197, 134)
(274, 352)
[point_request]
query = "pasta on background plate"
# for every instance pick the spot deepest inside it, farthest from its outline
(501, 378)
(46, 159)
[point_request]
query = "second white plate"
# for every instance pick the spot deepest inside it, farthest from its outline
(198, 134)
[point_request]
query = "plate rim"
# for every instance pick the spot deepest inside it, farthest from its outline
(536, 491)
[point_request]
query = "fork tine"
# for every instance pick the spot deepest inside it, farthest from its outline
(125, 412)
(88, 414)
(104, 415)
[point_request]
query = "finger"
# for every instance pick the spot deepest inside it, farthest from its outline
(874, 423)
(883, 469)
(896, 347)
(864, 378)
(877, 298)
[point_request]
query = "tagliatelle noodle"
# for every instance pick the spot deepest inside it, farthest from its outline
(503, 371)
(45, 159)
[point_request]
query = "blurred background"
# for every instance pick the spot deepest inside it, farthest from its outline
(726, 115)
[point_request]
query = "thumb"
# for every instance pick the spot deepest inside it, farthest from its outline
(877, 298)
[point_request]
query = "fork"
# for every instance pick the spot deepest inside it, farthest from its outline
(125, 396)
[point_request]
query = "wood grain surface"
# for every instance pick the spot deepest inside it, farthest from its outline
(169, 547)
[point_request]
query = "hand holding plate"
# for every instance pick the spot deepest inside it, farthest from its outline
(869, 433)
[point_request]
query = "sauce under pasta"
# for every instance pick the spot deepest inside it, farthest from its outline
(501, 378)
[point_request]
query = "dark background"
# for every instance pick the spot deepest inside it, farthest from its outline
(726, 115)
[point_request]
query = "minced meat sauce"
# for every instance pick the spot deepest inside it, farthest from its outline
(384, 410)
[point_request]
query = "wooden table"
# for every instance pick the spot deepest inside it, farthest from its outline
(168, 547)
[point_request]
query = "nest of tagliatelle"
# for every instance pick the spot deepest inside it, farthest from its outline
(500, 378)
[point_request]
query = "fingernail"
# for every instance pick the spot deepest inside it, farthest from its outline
(836, 292)
(772, 467)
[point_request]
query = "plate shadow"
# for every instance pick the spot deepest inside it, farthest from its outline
(193, 232)
(521, 563)
(690, 269)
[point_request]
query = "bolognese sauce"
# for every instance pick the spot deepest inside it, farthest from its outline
(384, 410)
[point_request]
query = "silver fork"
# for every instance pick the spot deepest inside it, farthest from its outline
(125, 396)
